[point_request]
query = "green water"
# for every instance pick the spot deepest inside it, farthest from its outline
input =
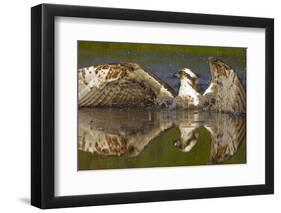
(139, 138)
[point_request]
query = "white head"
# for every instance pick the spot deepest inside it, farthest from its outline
(187, 74)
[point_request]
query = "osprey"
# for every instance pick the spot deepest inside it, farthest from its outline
(129, 84)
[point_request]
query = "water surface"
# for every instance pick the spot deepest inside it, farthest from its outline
(137, 138)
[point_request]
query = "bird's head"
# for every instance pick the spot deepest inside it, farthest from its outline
(187, 74)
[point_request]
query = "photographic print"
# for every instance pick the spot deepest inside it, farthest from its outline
(159, 105)
(174, 98)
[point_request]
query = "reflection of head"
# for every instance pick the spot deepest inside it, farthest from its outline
(188, 139)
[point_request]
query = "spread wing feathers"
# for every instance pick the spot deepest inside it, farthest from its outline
(226, 92)
(227, 133)
(120, 84)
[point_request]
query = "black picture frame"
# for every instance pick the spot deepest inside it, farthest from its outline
(43, 102)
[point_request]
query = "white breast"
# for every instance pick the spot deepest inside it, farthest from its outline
(188, 93)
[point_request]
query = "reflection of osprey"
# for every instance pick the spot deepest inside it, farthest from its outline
(128, 132)
(227, 134)
(130, 85)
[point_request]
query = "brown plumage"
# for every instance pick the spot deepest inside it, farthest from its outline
(119, 132)
(125, 84)
(125, 132)
(227, 133)
(226, 92)
(129, 84)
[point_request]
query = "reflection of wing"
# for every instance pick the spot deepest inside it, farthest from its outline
(228, 133)
(226, 92)
(120, 84)
(117, 132)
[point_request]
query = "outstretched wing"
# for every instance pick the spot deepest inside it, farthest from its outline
(120, 84)
(226, 92)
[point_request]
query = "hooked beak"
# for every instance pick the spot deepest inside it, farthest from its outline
(177, 75)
